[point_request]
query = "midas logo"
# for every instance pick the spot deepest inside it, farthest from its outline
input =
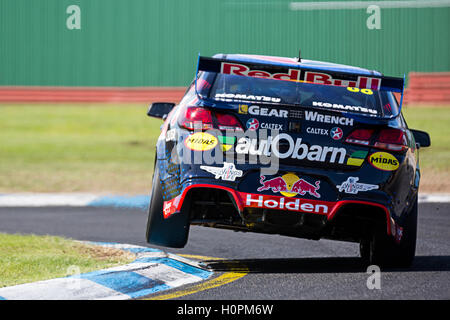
(362, 82)
(383, 161)
(200, 141)
(242, 70)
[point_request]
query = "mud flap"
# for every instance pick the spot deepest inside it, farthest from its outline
(168, 232)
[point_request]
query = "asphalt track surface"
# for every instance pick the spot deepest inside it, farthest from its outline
(272, 267)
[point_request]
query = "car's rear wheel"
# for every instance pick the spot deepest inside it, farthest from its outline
(383, 250)
(170, 231)
(155, 207)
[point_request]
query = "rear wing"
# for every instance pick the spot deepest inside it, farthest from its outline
(294, 72)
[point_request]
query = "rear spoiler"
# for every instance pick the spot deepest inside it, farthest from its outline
(294, 72)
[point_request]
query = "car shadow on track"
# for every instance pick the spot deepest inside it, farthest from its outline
(319, 265)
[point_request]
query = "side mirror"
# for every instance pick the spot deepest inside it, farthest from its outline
(160, 109)
(422, 138)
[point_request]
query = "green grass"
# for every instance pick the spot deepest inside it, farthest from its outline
(435, 160)
(29, 258)
(435, 121)
(109, 148)
(76, 148)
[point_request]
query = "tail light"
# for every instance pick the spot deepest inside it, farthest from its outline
(360, 136)
(388, 139)
(228, 122)
(196, 118)
(201, 118)
(392, 139)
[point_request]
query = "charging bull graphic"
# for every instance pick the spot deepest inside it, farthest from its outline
(290, 185)
(302, 187)
(276, 184)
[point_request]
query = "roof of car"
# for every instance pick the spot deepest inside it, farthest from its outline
(292, 62)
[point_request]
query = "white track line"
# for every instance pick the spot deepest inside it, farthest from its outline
(46, 199)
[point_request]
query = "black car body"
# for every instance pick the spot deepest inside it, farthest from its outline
(299, 148)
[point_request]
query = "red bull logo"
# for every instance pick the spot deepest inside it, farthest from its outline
(362, 82)
(243, 70)
(290, 185)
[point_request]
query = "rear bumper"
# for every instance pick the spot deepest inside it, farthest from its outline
(242, 208)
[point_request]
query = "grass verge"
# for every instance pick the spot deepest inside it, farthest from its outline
(435, 160)
(30, 258)
(106, 148)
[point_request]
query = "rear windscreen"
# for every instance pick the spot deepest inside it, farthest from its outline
(231, 88)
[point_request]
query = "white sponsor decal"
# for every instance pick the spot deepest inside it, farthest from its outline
(318, 131)
(271, 126)
(352, 186)
(235, 96)
(260, 111)
(343, 107)
(285, 204)
(253, 124)
(296, 149)
(228, 172)
(318, 117)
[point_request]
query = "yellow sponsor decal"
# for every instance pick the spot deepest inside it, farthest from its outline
(226, 147)
(365, 91)
(243, 109)
(355, 162)
(200, 141)
(383, 161)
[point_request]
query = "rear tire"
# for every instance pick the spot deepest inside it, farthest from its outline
(172, 231)
(155, 207)
(383, 250)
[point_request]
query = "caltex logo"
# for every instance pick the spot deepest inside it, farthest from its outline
(336, 133)
(252, 124)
